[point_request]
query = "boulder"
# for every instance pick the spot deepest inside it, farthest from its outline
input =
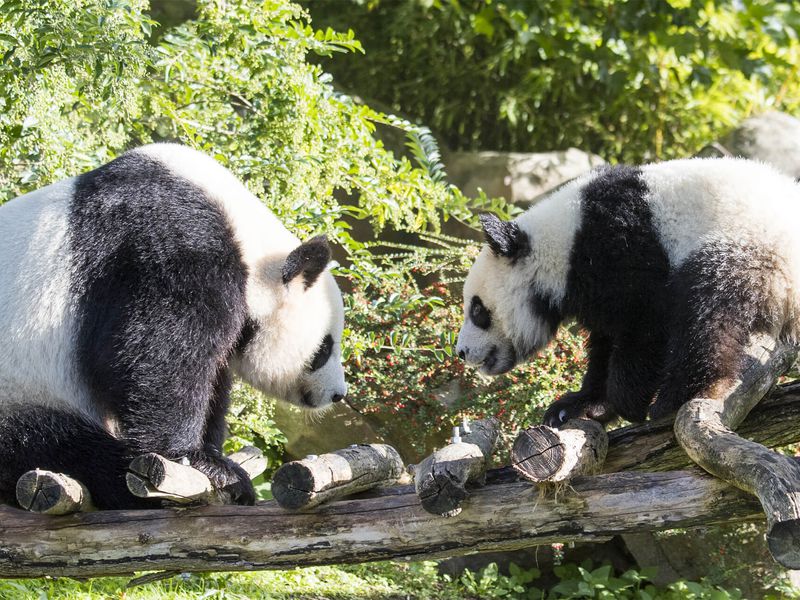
(772, 137)
(518, 177)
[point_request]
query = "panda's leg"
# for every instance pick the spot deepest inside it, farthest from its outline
(591, 400)
(59, 441)
(215, 465)
(722, 296)
(634, 373)
(190, 426)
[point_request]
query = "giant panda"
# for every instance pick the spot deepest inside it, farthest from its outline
(129, 296)
(670, 267)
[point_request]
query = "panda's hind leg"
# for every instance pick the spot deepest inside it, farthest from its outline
(62, 442)
(722, 296)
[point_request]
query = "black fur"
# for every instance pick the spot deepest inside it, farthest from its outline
(505, 238)
(720, 296)
(617, 289)
(479, 314)
(159, 285)
(55, 440)
(309, 258)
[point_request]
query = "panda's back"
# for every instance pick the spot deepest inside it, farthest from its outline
(159, 227)
(697, 201)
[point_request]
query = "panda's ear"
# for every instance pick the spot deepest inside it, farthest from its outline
(309, 259)
(505, 238)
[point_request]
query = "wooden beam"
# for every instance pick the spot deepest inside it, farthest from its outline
(499, 516)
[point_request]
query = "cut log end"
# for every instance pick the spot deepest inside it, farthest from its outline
(293, 485)
(543, 454)
(784, 543)
(538, 453)
(51, 493)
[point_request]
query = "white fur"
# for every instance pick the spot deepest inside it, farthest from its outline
(504, 288)
(37, 320)
(698, 201)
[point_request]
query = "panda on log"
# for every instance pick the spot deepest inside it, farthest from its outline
(129, 295)
(671, 267)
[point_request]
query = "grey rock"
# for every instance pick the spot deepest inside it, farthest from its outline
(773, 138)
(515, 176)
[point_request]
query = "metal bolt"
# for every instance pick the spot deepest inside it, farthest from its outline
(456, 435)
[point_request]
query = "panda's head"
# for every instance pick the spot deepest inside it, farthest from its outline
(507, 317)
(290, 347)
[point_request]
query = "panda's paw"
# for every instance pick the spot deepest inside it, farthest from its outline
(226, 476)
(576, 405)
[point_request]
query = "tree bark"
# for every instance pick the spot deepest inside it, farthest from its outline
(500, 516)
(652, 446)
(704, 428)
(306, 483)
(441, 479)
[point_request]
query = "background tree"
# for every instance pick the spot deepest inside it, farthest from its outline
(630, 81)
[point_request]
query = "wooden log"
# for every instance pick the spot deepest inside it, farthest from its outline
(441, 478)
(704, 428)
(153, 476)
(499, 516)
(652, 446)
(543, 454)
(52, 493)
(303, 484)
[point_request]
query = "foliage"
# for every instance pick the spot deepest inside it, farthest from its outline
(387, 580)
(83, 81)
(630, 81)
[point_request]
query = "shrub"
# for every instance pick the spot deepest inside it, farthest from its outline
(630, 81)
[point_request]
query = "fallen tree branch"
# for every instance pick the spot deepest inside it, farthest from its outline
(499, 516)
(705, 428)
(652, 446)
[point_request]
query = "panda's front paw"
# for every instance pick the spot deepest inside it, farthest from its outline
(576, 405)
(225, 475)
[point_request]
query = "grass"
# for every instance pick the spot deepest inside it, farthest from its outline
(378, 581)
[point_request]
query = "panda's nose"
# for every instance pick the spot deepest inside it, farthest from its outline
(337, 398)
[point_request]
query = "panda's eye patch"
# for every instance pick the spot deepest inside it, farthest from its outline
(323, 353)
(479, 314)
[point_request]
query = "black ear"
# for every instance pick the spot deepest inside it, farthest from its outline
(309, 258)
(505, 238)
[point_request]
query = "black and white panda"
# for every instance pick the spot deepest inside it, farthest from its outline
(129, 295)
(670, 267)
